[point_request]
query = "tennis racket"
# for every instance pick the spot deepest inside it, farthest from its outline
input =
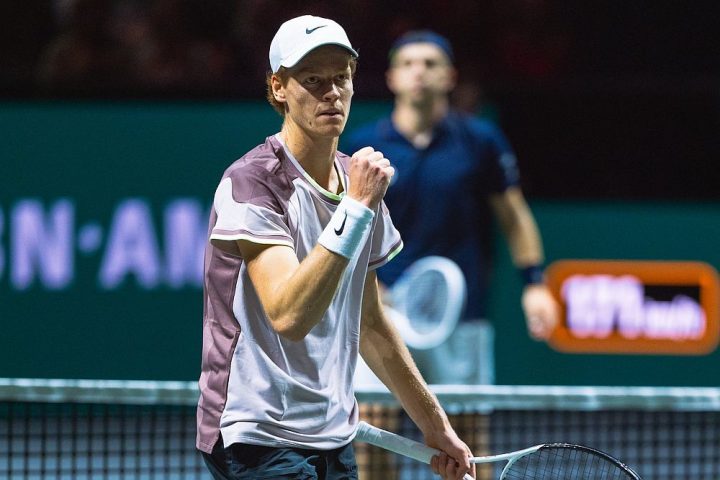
(551, 461)
(427, 301)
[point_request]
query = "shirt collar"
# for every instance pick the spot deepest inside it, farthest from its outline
(389, 131)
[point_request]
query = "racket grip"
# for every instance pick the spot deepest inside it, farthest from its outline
(396, 443)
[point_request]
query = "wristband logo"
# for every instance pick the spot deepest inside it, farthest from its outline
(339, 231)
(637, 307)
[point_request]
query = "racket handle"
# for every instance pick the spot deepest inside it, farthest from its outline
(397, 444)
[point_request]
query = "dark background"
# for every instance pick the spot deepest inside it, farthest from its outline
(609, 99)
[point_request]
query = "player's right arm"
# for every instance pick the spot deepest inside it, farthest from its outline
(295, 295)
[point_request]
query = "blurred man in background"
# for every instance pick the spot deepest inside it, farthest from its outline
(453, 172)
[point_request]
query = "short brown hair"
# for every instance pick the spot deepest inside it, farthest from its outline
(283, 74)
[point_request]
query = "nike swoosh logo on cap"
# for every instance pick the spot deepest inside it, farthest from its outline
(339, 231)
(310, 30)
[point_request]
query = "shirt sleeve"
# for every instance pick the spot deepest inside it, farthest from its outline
(386, 241)
(246, 210)
(502, 169)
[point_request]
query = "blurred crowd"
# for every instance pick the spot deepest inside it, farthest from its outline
(219, 47)
(206, 48)
(117, 47)
(574, 84)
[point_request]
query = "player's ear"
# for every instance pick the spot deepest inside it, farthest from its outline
(278, 89)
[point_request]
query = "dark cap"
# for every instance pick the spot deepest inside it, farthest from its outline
(423, 36)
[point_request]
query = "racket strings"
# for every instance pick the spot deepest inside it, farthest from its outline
(562, 463)
(427, 300)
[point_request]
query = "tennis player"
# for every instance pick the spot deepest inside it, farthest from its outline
(471, 169)
(291, 296)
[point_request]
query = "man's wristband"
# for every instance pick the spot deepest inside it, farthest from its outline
(346, 232)
(532, 275)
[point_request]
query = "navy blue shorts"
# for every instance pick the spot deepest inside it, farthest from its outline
(245, 462)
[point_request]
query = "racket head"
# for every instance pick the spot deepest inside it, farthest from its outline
(430, 295)
(555, 461)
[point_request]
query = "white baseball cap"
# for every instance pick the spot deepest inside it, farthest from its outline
(299, 36)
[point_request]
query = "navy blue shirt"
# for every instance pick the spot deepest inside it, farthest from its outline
(438, 198)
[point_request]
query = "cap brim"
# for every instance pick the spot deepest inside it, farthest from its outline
(301, 53)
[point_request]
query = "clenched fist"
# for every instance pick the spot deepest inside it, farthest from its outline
(370, 174)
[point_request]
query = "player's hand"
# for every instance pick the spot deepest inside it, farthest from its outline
(541, 311)
(454, 461)
(370, 174)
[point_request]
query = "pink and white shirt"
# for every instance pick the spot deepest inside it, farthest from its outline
(257, 387)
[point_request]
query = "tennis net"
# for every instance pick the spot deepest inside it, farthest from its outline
(90, 429)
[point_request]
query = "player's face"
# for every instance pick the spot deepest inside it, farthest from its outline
(318, 92)
(420, 72)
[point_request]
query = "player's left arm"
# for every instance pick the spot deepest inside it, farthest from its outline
(385, 353)
(525, 244)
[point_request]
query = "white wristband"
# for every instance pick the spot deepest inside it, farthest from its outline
(347, 230)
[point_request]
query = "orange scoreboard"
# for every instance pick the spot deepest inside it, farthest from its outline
(635, 307)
